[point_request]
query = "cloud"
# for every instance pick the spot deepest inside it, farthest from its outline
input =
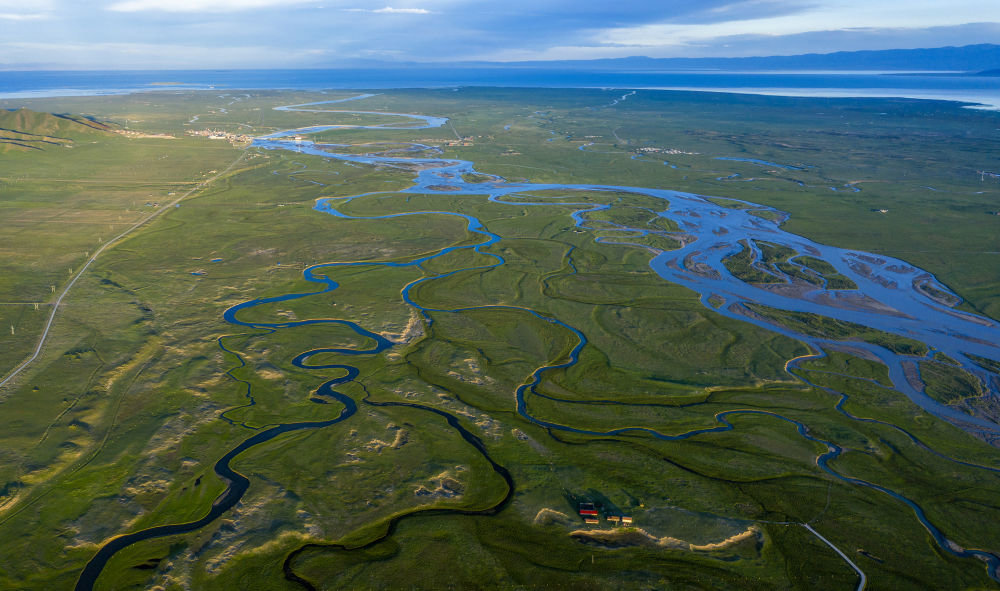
(222, 6)
(339, 31)
(391, 10)
(113, 55)
(24, 10)
(25, 5)
(775, 27)
(13, 16)
(742, 10)
(197, 5)
(852, 39)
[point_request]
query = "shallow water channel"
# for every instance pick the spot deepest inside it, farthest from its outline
(891, 296)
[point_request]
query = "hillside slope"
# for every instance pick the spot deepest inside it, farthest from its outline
(24, 129)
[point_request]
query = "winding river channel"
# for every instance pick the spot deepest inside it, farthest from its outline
(890, 295)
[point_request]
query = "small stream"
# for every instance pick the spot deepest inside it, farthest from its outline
(891, 296)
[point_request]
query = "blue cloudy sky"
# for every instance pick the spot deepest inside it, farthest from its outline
(316, 33)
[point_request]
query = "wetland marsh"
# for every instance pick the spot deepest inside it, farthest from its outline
(645, 347)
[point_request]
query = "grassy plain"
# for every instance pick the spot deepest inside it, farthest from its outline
(117, 426)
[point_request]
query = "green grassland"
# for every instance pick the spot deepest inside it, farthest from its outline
(949, 384)
(118, 424)
(823, 327)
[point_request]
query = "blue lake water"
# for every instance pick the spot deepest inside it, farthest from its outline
(977, 89)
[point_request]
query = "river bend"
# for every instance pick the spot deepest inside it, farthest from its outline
(891, 296)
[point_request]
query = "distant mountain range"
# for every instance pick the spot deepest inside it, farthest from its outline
(970, 58)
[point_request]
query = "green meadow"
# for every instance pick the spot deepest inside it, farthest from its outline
(117, 425)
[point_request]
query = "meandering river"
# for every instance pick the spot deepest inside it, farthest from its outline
(891, 296)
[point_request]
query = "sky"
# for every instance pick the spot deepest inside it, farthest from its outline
(182, 34)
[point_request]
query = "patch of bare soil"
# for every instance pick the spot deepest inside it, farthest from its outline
(634, 536)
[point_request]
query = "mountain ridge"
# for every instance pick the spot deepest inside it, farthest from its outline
(25, 130)
(968, 58)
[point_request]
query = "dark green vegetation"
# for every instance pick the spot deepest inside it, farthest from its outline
(949, 384)
(742, 266)
(987, 364)
(821, 326)
(26, 130)
(834, 280)
(117, 426)
(836, 362)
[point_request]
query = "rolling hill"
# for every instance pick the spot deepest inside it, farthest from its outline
(26, 130)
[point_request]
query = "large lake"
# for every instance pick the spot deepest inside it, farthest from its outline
(983, 90)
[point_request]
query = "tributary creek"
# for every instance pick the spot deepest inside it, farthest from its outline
(891, 296)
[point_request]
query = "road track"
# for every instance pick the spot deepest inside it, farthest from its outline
(864, 579)
(55, 305)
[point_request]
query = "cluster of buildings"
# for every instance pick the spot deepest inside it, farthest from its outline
(592, 516)
(212, 134)
(650, 150)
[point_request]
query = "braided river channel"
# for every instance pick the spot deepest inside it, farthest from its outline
(890, 295)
